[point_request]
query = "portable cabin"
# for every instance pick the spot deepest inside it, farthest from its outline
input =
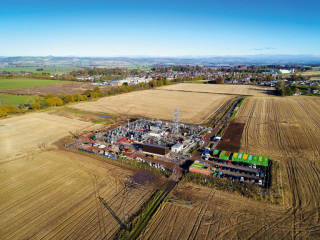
(265, 161)
(245, 158)
(225, 155)
(235, 157)
(215, 153)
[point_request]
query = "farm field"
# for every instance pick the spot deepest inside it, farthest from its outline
(284, 129)
(47, 192)
(65, 87)
(53, 69)
(195, 107)
(8, 99)
(54, 195)
(31, 131)
(287, 129)
(197, 212)
(25, 83)
(222, 89)
(310, 73)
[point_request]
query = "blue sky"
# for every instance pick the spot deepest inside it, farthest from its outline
(158, 28)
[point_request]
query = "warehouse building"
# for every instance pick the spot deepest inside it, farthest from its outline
(155, 149)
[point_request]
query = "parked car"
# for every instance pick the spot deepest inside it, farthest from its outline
(241, 179)
(260, 182)
(254, 166)
(257, 174)
(217, 138)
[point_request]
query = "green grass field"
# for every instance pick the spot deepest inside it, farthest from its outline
(54, 70)
(24, 83)
(8, 99)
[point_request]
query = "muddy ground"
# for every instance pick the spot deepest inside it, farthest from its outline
(231, 139)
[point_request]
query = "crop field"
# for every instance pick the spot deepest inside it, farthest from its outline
(222, 89)
(310, 73)
(26, 132)
(288, 129)
(284, 129)
(25, 83)
(54, 195)
(195, 107)
(52, 69)
(63, 87)
(51, 193)
(196, 212)
(8, 99)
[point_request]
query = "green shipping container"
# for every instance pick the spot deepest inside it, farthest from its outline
(224, 155)
(235, 157)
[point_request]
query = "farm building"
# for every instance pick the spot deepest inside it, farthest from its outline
(156, 149)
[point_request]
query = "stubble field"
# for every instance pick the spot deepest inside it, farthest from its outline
(195, 107)
(222, 89)
(25, 133)
(286, 130)
(51, 193)
(55, 195)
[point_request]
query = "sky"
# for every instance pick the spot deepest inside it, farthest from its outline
(159, 28)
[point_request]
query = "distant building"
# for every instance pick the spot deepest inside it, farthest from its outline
(284, 71)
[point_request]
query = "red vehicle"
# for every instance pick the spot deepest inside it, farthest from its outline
(228, 162)
(122, 140)
(132, 156)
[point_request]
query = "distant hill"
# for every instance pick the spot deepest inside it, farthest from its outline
(142, 61)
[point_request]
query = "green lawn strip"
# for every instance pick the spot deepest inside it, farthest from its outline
(25, 83)
(8, 99)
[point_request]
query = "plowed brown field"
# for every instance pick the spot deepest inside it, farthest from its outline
(285, 129)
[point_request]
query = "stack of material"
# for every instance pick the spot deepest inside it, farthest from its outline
(199, 167)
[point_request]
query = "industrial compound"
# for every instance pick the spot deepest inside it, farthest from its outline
(171, 145)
